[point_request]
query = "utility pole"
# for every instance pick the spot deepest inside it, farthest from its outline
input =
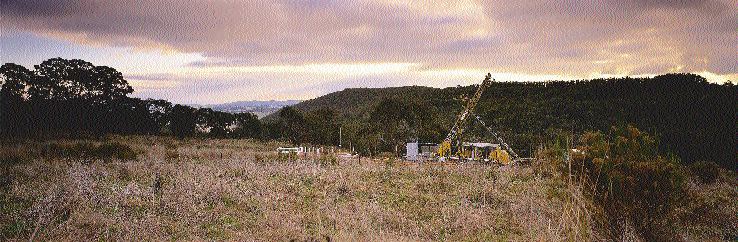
(340, 136)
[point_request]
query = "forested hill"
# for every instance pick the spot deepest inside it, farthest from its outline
(692, 118)
(356, 101)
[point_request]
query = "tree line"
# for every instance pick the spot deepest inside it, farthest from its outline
(690, 117)
(74, 98)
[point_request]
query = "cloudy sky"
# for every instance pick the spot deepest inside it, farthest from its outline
(218, 51)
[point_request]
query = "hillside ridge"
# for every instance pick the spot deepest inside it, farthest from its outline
(689, 115)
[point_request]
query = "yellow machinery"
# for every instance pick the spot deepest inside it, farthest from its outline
(485, 152)
(463, 151)
(500, 156)
(444, 150)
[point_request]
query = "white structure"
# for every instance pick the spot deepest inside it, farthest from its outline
(411, 153)
(415, 151)
(479, 149)
(287, 150)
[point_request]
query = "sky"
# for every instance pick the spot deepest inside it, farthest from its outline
(206, 52)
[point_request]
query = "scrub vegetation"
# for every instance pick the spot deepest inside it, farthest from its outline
(163, 188)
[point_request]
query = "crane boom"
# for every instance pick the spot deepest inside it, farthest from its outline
(499, 139)
(444, 149)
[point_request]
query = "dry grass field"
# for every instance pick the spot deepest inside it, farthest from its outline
(202, 189)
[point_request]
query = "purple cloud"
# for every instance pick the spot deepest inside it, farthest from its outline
(528, 36)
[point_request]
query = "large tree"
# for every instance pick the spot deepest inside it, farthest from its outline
(15, 81)
(248, 125)
(293, 125)
(14, 117)
(323, 126)
(62, 79)
(394, 120)
(183, 120)
(63, 96)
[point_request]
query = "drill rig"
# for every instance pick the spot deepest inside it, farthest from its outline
(453, 144)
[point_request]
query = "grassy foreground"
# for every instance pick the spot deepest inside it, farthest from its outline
(241, 190)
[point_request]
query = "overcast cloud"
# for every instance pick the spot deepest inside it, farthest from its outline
(242, 43)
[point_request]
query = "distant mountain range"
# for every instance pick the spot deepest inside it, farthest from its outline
(260, 108)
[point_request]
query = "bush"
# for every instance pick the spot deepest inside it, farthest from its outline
(327, 160)
(632, 183)
(171, 155)
(639, 192)
(706, 171)
(287, 157)
(115, 150)
(85, 149)
(7, 175)
(12, 159)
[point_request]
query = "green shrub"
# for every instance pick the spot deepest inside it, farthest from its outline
(12, 159)
(328, 160)
(171, 154)
(86, 149)
(706, 171)
(83, 149)
(259, 159)
(14, 226)
(115, 150)
(9, 159)
(631, 182)
(287, 157)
